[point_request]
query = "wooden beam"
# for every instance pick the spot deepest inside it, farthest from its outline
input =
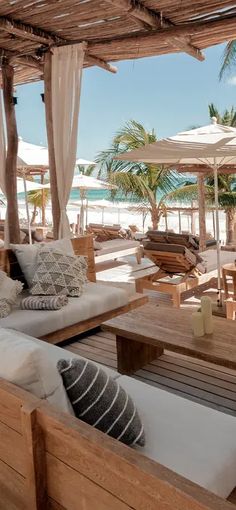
(156, 21)
(28, 32)
(26, 60)
(100, 63)
(56, 210)
(11, 157)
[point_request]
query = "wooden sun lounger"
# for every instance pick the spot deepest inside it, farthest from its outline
(176, 274)
(82, 246)
(53, 461)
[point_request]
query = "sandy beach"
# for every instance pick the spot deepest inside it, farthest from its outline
(119, 213)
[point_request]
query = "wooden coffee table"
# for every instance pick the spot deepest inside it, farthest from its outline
(143, 334)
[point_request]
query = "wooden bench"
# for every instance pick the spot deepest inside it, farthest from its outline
(82, 246)
(53, 461)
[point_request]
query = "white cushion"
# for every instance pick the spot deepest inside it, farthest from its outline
(26, 255)
(95, 300)
(113, 245)
(27, 365)
(195, 441)
(54, 352)
(210, 258)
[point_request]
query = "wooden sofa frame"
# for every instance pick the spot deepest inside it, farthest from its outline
(53, 461)
(190, 283)
(82, 246)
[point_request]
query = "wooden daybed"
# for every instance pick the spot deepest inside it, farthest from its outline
(82, 246)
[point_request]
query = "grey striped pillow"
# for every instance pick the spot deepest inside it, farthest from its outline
(99, 400)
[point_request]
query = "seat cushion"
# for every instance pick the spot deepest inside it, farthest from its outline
(210, 258)
(95, 300)
(26, 364)
(195, 441)
(116, 245)
(54, 352)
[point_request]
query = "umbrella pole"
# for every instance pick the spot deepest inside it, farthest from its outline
(217, 225)
(27, 209)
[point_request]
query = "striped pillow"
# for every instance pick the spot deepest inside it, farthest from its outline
(99, 401)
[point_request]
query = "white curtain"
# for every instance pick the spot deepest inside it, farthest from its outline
(3, 167)
(67, 65)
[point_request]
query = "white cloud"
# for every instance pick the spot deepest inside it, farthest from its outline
(232, 80)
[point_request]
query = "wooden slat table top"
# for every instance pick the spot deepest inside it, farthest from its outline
(171, 330)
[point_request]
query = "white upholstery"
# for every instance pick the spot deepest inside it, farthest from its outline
(54, 352)
(210, 258)
(95, 300)
(114, 245)
(193, 440)
(26, 364)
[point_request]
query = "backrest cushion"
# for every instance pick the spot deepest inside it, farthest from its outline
(27, 255)
(98, 400)
(26, 364)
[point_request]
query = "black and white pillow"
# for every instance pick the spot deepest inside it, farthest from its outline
(57, 273)
(100, 401)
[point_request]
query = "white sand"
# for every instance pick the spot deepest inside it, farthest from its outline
(126, 218)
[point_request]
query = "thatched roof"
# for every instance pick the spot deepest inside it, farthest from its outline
(113, 29)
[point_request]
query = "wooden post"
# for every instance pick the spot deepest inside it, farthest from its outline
(11, 157)
(43, 202)
(56, 211)
(202, 212)
(35, 459)
(179, 214)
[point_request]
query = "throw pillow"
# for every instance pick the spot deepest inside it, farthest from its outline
(9, 290)
(98, 400)
(57, 273)
(26, 255)
(43, 302)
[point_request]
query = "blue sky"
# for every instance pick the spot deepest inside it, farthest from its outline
(169, 93)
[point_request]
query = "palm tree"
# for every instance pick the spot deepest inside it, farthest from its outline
(226, 183)
(85, 170)
(38, 199)
(229, 58)
(147, 183)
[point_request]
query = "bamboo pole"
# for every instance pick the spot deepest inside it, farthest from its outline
(51, 153)
(202, 212)
(43, 201)
(11, 155)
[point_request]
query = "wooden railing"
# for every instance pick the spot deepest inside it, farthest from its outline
(50, 460)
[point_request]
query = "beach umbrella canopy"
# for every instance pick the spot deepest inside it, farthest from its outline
(30, 154)
(84, 162)
(205, 149)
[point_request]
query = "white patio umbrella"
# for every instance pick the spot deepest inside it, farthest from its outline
(85, 183)
(209, 148)
(84, 162)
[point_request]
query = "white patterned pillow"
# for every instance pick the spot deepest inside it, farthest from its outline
(57, 273)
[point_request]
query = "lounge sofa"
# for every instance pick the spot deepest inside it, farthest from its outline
(97, 303)
(50, 459)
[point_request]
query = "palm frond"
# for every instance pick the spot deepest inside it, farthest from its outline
(229, 58)
(227, 199)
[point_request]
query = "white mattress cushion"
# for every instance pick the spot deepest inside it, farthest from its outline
(54, 352)
(26, 254)
(114, 245)
(210, 258)
(26, 364)
(195, 441)
(95, 300)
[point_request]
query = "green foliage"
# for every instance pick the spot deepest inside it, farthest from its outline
(86, 170)
(35, 198)
(228, 118)
(229, 58)
(143, 182)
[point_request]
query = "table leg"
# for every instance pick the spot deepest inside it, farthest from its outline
(133, 355)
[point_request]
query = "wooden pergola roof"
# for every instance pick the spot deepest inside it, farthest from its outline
(111, 29)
